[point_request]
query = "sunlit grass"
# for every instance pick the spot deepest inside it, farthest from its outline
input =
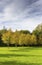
(20, 56)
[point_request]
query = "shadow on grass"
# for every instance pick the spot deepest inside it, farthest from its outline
(19, 55)
(18, 63)
(22, 49)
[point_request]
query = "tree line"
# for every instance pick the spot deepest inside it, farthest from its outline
(21, 38)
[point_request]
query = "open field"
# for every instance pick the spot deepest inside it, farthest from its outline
(21, 56)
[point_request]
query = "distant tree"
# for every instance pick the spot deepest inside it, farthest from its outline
(4, 30)
(28, 39)
(6, 37)
(1, 42)
(25, 31)
(40, 39)
(16, 38)
(22, 39)
(33, 39)
(37, 32)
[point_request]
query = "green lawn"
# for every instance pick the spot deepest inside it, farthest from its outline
(20, 56)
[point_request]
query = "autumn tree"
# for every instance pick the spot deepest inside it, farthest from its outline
(22, 39)
(16, 38)
(33, 39)
(28, 39)
(6, 37)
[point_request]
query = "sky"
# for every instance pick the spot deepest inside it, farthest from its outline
(20, 14)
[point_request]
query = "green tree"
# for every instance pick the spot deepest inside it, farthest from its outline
(24, 31)
(40, 39)
(37, 32)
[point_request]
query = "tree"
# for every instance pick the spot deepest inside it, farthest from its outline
(37, 32)
(28, 39)
(15, 38)
(22, 39)
(33, 39)
(6, 37)
(40, 39)
(1, 42)
(25, 31)
(4, 30)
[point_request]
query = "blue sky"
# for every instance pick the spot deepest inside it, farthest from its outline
(20, 14)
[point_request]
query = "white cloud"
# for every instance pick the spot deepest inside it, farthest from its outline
(18, 15)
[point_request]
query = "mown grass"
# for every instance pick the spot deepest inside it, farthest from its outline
(20, 56)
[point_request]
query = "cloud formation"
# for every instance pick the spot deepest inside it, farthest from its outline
(20, 14)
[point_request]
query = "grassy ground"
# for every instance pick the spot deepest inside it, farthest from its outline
(21, 56)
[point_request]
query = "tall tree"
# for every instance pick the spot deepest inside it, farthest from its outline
(6, 37)
(22, 39)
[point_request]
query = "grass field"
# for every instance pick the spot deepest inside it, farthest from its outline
(21, 56)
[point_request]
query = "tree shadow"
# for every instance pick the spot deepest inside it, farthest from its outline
(18, 63)
(22, 49)
(19, 55)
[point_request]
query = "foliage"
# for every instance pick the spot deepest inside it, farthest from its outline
(24, 31)
(22, 37)
(6, 37)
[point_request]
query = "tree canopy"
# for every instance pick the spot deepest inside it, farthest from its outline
(22, 37)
